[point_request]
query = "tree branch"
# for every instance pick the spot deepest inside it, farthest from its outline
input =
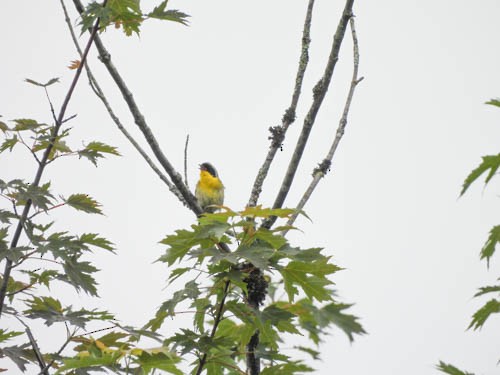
(186, 161)
(43, 163)
(278, 132)
(324, 167)
(36, 349)
(218, 318)
(100, 94)
(140, 121)
(63, 346)
(319, 93)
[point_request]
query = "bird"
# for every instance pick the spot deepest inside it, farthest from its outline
(209, 189)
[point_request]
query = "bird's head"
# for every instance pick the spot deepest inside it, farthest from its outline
(209, 168)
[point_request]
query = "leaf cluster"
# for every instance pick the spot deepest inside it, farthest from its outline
(488, 168)
(127, 15)
(224, 319)
(36, 137)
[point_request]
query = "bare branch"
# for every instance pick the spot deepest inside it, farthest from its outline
(35, 156)
(319, 93)
(36, 349)
(100, 94)
(186, 161)
(50, 104)
(43, 162)
(324, 167)
(140, 121)
(278, 132)
(217, 320)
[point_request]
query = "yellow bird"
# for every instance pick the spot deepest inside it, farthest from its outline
(209, 189)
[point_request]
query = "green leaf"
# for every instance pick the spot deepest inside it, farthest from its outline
(202, 305)
(161, 13)
(58, 145)
(94, 362)
(310, 277)
(490, 245)
(316, 320)
(176, 273)
(490, 164)
(25, 124)
(258, 211)
(487, 289)
(9, 143)
(93, 11)
(210, 228)
(135, 334)
(4, 246)
(46, 308)
(276, 241)
(187, 340)
(7, 335)
(5, 216)
(313, 353)
(50, 82)
(290, 368)
(346, 322)
(96, 150)
(40, 196)
(44, 278)
(51, 310)
(3, 127)
(161, 361)
(94, 240)
(495, 102)
(481, 315)
(190, 291)
(83, 202)
(451, 370)
(280, 318)
(257, 254)
(20, 355)
(178, 245)
(79, 274)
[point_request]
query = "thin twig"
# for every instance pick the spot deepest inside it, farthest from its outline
(217, 320)
(319, 93)
(28, 147)
(50, 104)
(140, 121)
(325, 165)
(97, 330)
(186, 161)
(100, 94)
(43, 164)
(28, 286)
(278, 133)
(63, 346)
(48, 209)
(69, 118)
(36, 349)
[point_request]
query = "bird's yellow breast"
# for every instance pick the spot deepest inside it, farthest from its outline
(209, 184)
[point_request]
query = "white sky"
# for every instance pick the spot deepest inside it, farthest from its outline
(388, 212)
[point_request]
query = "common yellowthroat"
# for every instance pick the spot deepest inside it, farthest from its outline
(209, 189)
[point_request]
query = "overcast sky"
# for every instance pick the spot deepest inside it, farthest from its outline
(388, 212)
